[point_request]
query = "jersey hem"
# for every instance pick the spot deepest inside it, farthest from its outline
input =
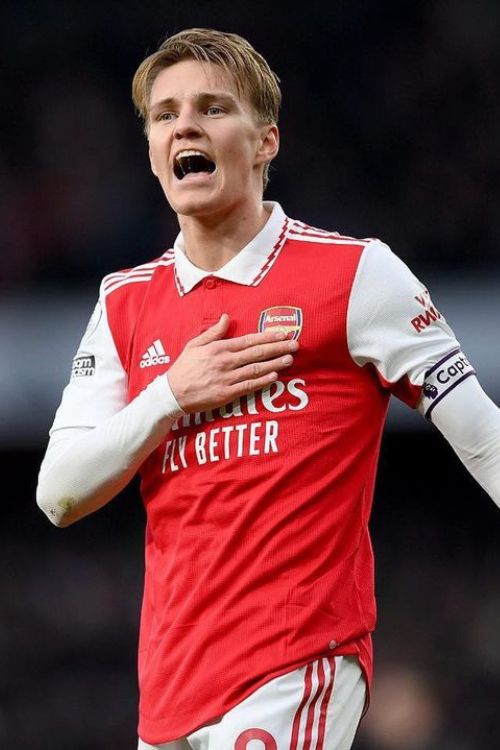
(361, 648)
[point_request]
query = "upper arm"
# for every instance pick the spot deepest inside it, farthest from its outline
(393, 325)
(97, 388)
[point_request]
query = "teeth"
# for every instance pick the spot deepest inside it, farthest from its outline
(190, 153)
(192, 160)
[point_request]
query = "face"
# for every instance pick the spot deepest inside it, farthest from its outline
(205, 143)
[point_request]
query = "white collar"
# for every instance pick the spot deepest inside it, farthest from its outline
(249, 266)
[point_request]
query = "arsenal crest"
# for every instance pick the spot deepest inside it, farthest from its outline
(286, 318)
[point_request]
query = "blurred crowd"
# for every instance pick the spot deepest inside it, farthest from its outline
(389, 128)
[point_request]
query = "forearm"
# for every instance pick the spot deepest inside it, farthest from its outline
(470, 422)
(84, 469)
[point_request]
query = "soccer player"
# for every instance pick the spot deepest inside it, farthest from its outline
(246, 373)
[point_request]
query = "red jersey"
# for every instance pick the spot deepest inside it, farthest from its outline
(258, 554)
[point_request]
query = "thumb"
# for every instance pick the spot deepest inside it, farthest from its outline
(214, 333)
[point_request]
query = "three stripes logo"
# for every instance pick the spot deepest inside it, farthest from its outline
(309, 724)
(155, 355)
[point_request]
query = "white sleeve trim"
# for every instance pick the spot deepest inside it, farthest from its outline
(470, 422)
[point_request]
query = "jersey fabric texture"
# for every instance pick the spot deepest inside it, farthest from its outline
(258, 555)
(316, 707)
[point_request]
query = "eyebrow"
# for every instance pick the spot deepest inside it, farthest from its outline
(202, 97)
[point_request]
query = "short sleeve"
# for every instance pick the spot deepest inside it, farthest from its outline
(393, 325)
(97, 388)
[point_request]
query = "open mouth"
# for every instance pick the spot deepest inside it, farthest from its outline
(192, 162)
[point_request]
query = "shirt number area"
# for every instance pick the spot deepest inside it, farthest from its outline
(267, 740)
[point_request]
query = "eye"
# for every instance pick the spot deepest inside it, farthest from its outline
(165, 116)
(214, 109)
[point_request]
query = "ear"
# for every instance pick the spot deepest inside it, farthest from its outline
(269, 144)
(152, 163)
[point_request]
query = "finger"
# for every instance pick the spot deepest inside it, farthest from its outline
(264, 352)
(251, 385)
(257, 370)
(214, 333)
(253, 339)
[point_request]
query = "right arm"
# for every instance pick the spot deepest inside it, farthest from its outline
(85, 467)
(98, 441)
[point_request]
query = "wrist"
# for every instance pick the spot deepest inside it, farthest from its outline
(170, 405)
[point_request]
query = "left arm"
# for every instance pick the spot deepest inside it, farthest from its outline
(470, 422)
(394, 327)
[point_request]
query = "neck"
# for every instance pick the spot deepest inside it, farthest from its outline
(212, 241)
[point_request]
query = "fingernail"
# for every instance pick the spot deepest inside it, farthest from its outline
(294, 345)
(287, 360)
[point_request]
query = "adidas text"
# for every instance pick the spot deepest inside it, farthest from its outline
(154, 355)
(150, 361)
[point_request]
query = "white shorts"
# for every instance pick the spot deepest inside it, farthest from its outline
(316, 707)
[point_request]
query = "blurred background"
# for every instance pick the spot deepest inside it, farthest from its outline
(389, 128)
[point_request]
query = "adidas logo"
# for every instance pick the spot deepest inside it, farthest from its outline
(155, 355)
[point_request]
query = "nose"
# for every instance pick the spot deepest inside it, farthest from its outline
(187, 124)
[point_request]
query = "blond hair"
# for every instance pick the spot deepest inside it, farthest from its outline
(250, 71)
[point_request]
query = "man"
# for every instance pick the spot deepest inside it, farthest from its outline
(247, 373)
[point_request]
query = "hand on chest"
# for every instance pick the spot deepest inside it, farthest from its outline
(168, 322)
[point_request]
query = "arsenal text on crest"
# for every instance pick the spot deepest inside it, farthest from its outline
(288, 319)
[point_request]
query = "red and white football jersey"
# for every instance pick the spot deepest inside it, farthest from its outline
(258, 555)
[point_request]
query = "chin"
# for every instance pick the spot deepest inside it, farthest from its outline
(193, 207)
(196, 205)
